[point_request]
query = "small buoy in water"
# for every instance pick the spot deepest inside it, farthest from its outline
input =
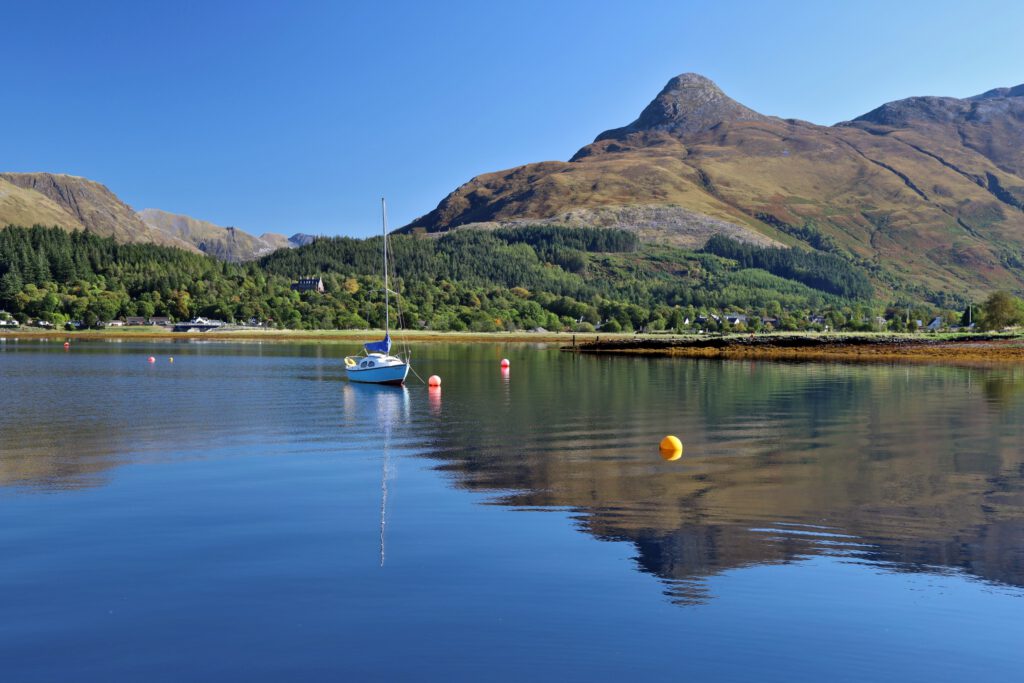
(67, 345)
(151, 359)
(171, 359)
(434, 381)
(504, 362)
(671, 448)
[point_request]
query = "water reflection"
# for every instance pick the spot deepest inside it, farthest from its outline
(905, 467)
(434, 400)
(911, 468)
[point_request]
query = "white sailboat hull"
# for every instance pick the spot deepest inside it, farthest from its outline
(376, 369)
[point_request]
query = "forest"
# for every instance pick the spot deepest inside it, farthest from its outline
(823, 271)
(521, 278)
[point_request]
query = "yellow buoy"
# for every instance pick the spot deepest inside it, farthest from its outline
(671, 448)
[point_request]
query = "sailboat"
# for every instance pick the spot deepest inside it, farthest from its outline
(377, 365)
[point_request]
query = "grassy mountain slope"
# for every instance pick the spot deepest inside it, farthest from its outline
(74, 203)
(933, 201)
(227, 244)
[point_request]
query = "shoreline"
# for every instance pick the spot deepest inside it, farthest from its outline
(148, 333)
(853, 347)
(782, 346)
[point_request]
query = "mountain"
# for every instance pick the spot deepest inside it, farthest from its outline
(74, 203)
(927, 191)
(300, 239)
(227, 244)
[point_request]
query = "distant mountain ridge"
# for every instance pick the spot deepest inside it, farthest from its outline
(225, 243)
(927, 191)
(76, 203)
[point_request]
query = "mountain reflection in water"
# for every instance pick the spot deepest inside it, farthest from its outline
(909, 468)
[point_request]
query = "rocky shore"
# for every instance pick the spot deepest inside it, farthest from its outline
(797, 347)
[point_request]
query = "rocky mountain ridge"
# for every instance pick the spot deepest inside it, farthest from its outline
(226, 243)
(927, 191)
(76, 203)
(689, 103)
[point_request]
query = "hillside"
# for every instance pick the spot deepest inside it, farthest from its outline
(928, 192)
(74, 203)
(227, 244)
(512, 279)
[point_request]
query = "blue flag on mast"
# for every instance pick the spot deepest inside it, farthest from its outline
(382, 346)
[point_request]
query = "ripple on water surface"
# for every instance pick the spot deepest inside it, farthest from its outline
(247, 504)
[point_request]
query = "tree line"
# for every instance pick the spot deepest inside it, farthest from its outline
(527, 277)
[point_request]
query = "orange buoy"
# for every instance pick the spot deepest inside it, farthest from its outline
(504, 362)
(434, 381)
(671, 448)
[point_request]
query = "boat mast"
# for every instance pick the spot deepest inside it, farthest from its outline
(387, 303)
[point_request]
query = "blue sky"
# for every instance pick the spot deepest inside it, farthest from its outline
(298, 116)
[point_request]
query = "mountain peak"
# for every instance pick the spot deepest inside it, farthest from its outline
(689, 103)
(947, 110)
(1016, 91)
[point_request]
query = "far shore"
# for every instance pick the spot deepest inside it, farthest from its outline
(153, 333)
(783, 346)
(847, 347)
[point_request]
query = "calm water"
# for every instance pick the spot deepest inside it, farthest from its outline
(244, 513)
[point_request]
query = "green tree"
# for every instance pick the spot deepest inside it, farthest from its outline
(1001, 309)
(10, 286)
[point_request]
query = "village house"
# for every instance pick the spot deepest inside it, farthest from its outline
(309, 284)
(135, 320)
(736, 319)
(160, 320)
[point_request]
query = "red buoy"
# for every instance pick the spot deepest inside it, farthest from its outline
(504, 362)
(151, 359)
(434, 381)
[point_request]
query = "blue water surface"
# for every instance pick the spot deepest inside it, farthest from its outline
(244, 513)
